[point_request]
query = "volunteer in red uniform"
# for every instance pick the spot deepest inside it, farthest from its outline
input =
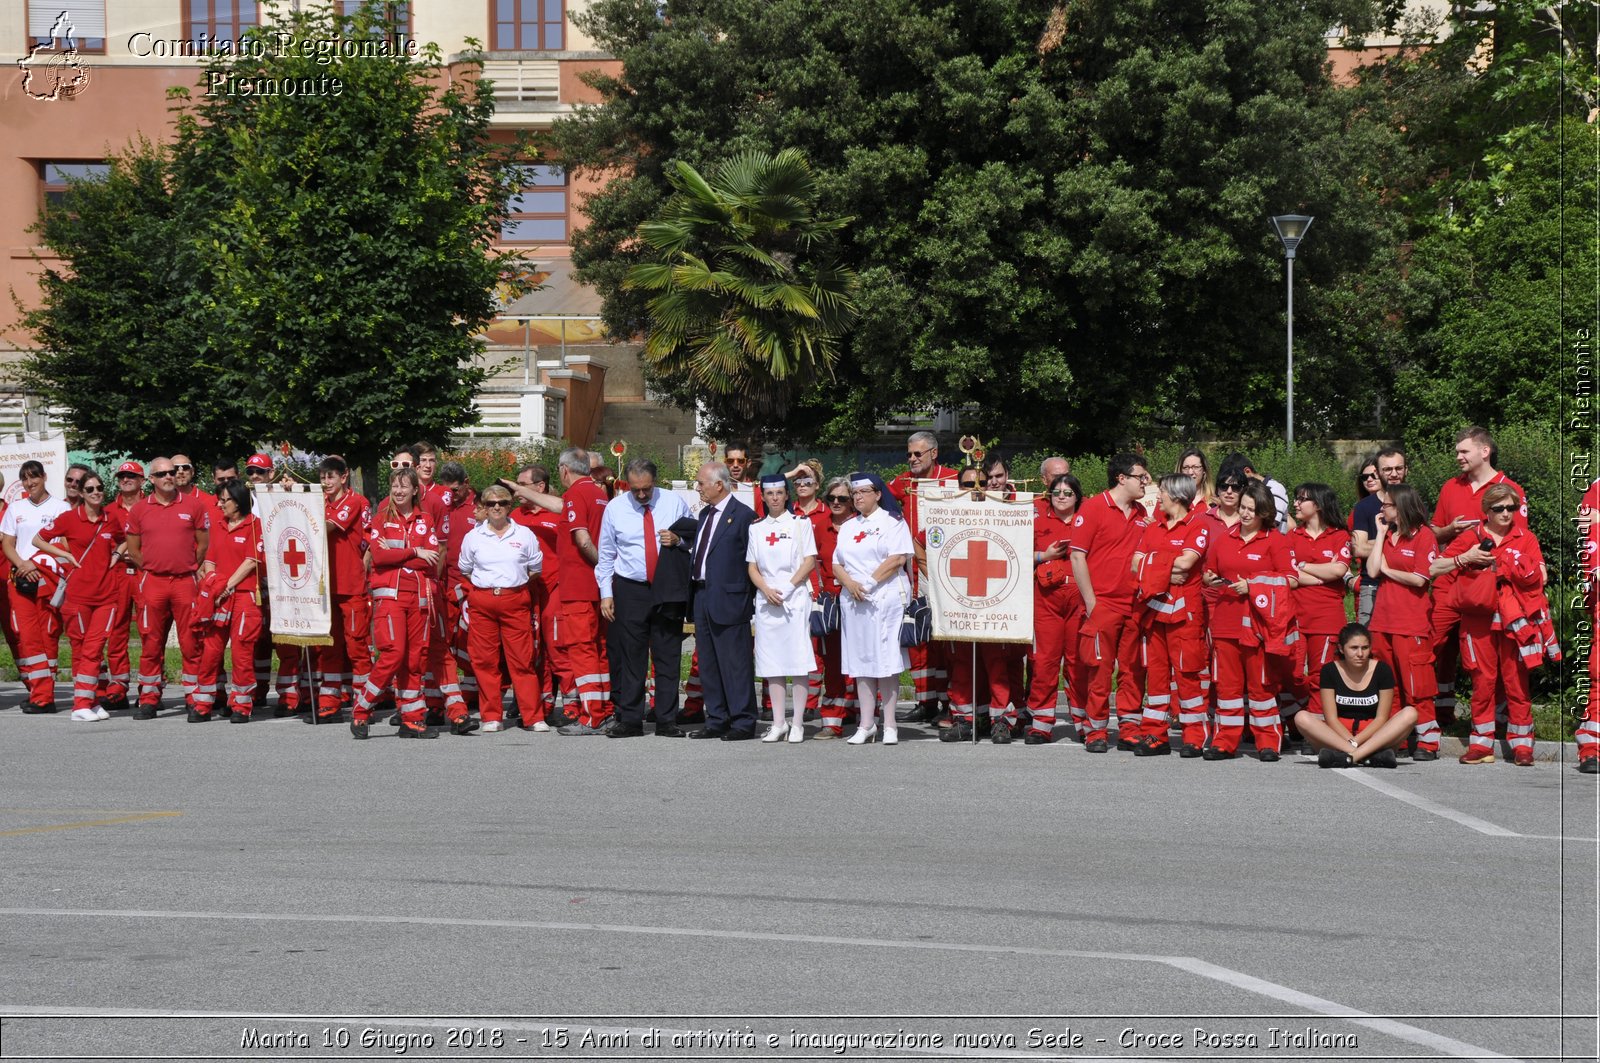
(188, 484)
(38, 627)
(1105, 534)
(7, 627)
(1320, 550)
(1192, 463)
(579, 627)
(991, 670)
(837, 708)
(1499, 586)
(87, 538)
(460, 684)
(1460, 512)
(1172, 619)
(1057, 614)
(406, 561)
(497, 558)
(1588, 735)
(167, 538)
(555, 677)
(1049, 469)
(119, 662)
(930, 662)
(1251, 566)
(237, 559)
(348, 659)
(1402, 633)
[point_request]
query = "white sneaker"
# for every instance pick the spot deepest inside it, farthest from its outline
(491, 726)
(541, 726)
(100, 713)
(84, 715)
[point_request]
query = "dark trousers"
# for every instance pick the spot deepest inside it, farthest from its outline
(727, 673)
(644, 631)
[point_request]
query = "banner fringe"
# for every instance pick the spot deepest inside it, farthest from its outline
(302, 640)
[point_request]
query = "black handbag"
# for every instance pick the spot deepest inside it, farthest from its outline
(824, 614)
(916, 626)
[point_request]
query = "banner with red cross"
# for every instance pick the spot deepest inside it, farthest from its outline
(294, 535)
(980, 565)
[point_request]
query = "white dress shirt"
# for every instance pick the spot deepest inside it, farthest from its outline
(708, 531)
(621, 545)
(491, 560)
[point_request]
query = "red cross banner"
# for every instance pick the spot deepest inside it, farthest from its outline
(294, 536)
(980, 565)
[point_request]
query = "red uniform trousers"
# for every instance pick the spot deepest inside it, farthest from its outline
(1447, 633)
(1410, 657)
(1320, 649)
(165, 601)
(38, 646)
(1057, 620)
(989, 684)
(441, 681)
(930, 670)
(89, 627)
(581, 635)
(1287, 675)
(837, 706)
(457, 625)
(1109, 641)
(401, 634)
(1175, 661)
(694, 701)
(119, 664)
(1588, 736)
(8, 626)
(241, 635)
(1494, 661)
(294, 690)
(555, 674)
(504, 623)
(348, 659)
(1243, 677)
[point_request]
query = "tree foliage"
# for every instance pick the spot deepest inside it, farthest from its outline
(749, 304)
(1062, 207)
(311, 266)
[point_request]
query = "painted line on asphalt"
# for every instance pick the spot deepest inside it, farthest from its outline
(138, 818)
(1482, 826)
(1189, 964)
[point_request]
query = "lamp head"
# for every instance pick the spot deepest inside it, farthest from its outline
(1291, 229)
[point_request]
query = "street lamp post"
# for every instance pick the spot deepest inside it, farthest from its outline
(1291, 229)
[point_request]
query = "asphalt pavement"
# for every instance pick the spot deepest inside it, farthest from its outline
(278, 890)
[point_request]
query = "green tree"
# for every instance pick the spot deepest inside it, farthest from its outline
(332, 262)
(1062, 207)
(748, 305)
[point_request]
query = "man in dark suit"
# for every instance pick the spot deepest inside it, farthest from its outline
(643, 575)
(724, 602)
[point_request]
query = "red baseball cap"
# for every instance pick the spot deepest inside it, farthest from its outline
(130, 466)
(259, 461)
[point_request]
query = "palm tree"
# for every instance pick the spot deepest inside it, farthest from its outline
(749, 302)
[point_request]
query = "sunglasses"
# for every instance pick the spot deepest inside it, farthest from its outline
(75, 483)
(183, 467)
(915, 453)
(1503, 509)
(1230, 486)
(498, 503)
(164, 472)
(838, 500)
(971, 486)
(1302, 498)
(803, 481)
(399, 465)
(1369, 476)
(98, 490)
(1063, 494)
(121, 476)
(258, 472)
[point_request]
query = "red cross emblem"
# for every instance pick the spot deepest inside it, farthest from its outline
(978, 568)
(772, 538)
(294, 557)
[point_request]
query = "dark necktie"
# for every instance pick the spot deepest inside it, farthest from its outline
(705, 544)
(652, 546)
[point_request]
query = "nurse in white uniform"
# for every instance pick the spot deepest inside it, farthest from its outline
(781, 555)
(870, 562)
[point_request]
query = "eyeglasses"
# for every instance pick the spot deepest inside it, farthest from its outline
(1230, 486)
(163, 472)
(1386, 505)
(1142, 477)
(1508, 508)
(183, 467)
(1063, 494)
(498, 503)
(838, 500)
(75, 483)
(1392, 468)
(1302, 498)
(399, 465)
(97, 490)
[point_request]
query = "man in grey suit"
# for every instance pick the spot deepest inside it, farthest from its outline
(724, 602)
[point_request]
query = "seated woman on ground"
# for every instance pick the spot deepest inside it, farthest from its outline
(1357, 722)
